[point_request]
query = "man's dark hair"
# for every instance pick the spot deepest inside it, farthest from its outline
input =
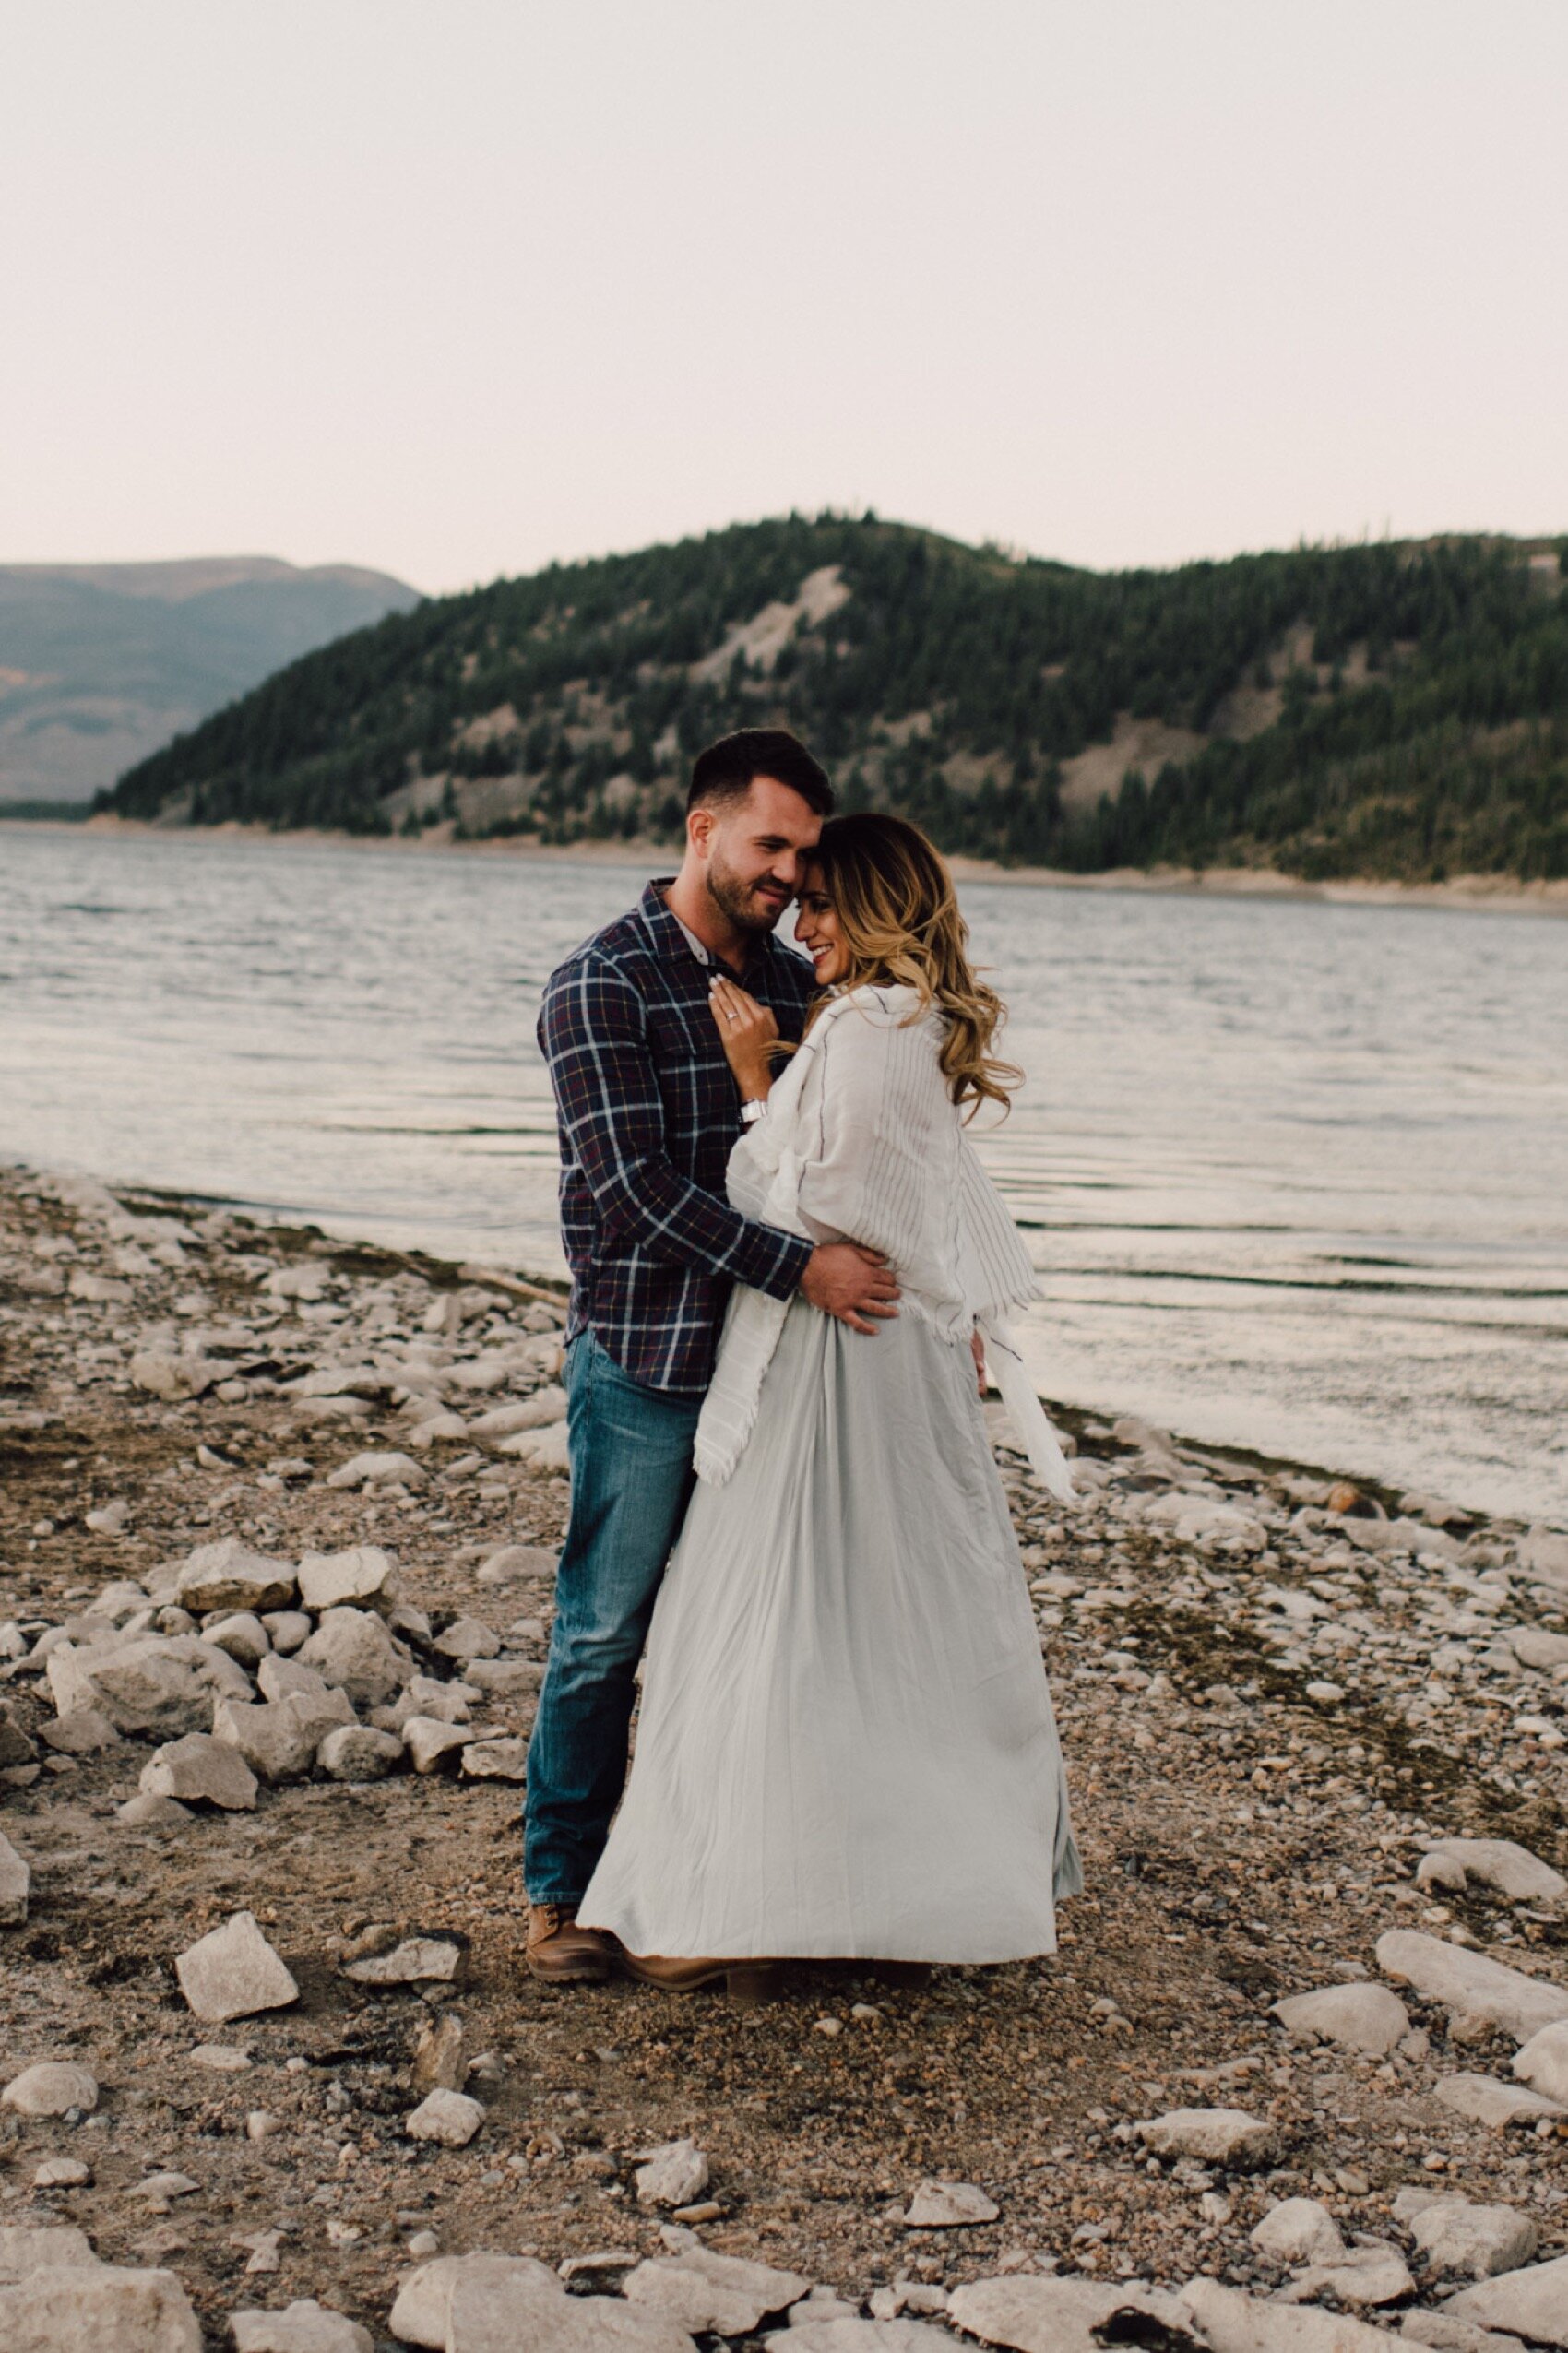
(726, 770)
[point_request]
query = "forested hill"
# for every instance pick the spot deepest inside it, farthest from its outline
(1389, 710)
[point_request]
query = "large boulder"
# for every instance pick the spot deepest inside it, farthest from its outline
(1503, 1864)
(154, 1686)
(353, 1650)
(713, 2294)
(230, 1576)
(1050, 2315)
(278, 1739)
(1532, 2303)
(1475, 1990)
(74, 2309)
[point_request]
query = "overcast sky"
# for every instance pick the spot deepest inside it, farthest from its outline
(454, 287)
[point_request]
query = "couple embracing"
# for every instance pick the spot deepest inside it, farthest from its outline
(790, 1273)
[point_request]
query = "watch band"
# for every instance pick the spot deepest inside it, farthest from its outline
(753, 1111)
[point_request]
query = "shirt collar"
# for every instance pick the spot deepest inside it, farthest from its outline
(670, 935)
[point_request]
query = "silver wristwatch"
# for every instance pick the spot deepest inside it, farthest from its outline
(753, 1111)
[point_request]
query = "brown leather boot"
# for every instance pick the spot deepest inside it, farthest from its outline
(564, 1954)
(746, 1982)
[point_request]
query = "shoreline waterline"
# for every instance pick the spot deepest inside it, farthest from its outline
(1477, 893)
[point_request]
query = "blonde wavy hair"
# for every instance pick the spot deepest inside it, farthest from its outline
(899, 913)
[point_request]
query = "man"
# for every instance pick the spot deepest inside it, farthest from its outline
(648, 1113)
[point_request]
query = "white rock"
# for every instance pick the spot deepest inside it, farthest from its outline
(501, 2314)
(223, 2058)
(200, 1770)
(161, 2187)
(304, 2326)
(1234, 2323)
(82, 1733)
(545, 1408)
(142, 1812)
(25, 2249)
(510, 1676)
(1364, 2274)
(230, 1576)
(15, 1878)
(518, 1561)
(1543, 2062)
(365, 1574)
(243, 1635)
(466, 1638)
(1471, 1986)
(163, 1374)
(1455, 2236)
(1534, 1647)
(288, 1629)
(439, 1429)
(62, 2173)
(1200, 1519)
(450, 2118)
(418, 1960)
(948, 2205)
(541, 1450)
(232, 1972)
(1500, 1863)
(352, 1649)
(278, 1739)
(502, 1760)
(386, 1469)
(1040, 2315)
(157, 1686)
(359, 1753)
(1452, 2337)
(674, 2174)
(1543, 1553)
(1531, 2303)
(1298, 2230)
(864, 2336)
(1486, 2101)
(723, 2295)
(1216, 2135)
(428, 1742)
(424, 2297)
(1359, 2017)
(83, 2310)
(51, 2087)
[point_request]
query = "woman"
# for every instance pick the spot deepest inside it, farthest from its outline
(846, 1747)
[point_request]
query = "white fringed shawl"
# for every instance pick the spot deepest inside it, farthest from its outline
(862, 1143)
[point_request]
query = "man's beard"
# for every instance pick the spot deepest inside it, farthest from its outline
(738, 900)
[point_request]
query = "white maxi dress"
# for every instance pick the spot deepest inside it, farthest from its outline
(846, 1747)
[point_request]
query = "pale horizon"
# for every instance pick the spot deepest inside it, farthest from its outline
(1111, 284)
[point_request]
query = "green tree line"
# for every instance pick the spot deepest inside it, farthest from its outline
(1388, 709)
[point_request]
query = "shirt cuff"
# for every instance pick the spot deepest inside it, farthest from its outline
(773, 1261)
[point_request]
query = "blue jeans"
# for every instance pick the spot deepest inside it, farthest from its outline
(631, 1454)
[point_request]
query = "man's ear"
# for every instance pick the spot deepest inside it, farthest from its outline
(700, 824)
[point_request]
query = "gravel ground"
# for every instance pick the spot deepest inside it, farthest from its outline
(1277, 1695)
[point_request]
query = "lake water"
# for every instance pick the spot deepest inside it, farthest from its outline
(1295, 1175)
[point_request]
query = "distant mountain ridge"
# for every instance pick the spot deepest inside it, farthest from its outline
(1397, 710)
(100, 664)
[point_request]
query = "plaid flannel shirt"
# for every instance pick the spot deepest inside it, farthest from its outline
(648, 1111)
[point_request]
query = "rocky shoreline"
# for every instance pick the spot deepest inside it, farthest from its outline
(278, 1524)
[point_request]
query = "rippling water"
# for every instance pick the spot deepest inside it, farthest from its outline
(1294, 1175)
